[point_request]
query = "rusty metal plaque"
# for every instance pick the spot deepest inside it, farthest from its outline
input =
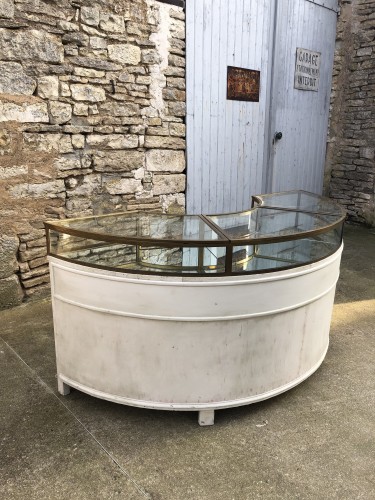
(307, 73)
(243, 84)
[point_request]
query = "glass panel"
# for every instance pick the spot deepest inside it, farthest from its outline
(155, 259)
(267, 222)
(91, 251)
(300, 200)
(302, 214)
(156, 226)
(207, 260)
(285, 254)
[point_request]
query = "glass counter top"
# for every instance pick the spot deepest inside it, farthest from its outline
(141, 226)
(270, 224)
(282, 230)
(301, 201)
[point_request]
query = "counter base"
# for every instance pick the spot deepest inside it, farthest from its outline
(206, 411)
(190, 344)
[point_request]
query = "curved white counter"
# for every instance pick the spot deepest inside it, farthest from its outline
(193, 343)
(188, 344)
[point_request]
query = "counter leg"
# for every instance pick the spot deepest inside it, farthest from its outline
(206, 417)
(63, 388)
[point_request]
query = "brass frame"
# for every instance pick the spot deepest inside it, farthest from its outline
(224, 240)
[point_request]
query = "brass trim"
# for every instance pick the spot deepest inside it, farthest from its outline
(224, 240)
(135, 240)
(276, 239)
(191, 275)
(259, 199)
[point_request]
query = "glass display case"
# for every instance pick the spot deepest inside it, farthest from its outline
(282, 230)
(195, 312)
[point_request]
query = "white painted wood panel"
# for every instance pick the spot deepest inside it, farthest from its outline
(328, 4)
(230, 150)
(221, 342)
(225, 139)
(297, 160)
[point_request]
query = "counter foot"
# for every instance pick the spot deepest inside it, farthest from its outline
(63, 388)
(206, 417)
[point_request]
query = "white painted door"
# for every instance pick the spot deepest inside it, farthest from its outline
(225, 139)
(297, 160)
(230, 149)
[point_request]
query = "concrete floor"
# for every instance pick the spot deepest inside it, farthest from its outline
(315, 442)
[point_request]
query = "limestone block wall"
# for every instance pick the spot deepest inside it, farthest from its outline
(350, 170)
(92, 106)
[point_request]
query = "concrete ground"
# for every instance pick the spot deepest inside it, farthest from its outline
(315, 442)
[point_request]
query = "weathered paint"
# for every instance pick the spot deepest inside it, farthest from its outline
(195, 344)
(231, 151)
(224, 137)
(297, 161)
(243, 84)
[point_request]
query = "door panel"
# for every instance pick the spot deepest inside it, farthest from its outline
(230, 152)
(225, 139)
(297, 160)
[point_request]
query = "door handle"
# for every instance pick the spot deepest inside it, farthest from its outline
(278, 136)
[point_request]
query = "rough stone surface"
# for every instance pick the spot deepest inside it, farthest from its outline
(13, 171)
(90, 16)
(48, 143)
(48, 87)
(6, 8)
(112, 23)
(177, 129)
(177, 108)
(118, 161)
(13, 80)
(125, 54)
(8, 255)
(109, 94)
(350, 166)
(124, 186)
(120, 109)
(166, 184)
(113, 141)
(87, 93)
(78, 141)
(25, 113)
(100, 64)
(43, 190)
(67, 163)
(11, 293)
(97, 42)
(164, 142)
(89, 73)
(159, 160)
(61, 112)
(87, 187)
(35, 45)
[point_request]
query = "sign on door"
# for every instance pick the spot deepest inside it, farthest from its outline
(307, 73)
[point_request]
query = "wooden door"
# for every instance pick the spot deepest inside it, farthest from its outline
(225, 138)
(231, 148)
(304, 44)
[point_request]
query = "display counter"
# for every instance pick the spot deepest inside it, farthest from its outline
(197, 313)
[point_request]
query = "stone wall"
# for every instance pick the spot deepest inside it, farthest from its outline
(92, 105)
(350, 173)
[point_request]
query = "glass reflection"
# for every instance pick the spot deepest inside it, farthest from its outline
(283, 230)
(139, 225)
(268, 222)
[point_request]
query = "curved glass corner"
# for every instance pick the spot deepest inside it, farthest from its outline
(281, 231)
